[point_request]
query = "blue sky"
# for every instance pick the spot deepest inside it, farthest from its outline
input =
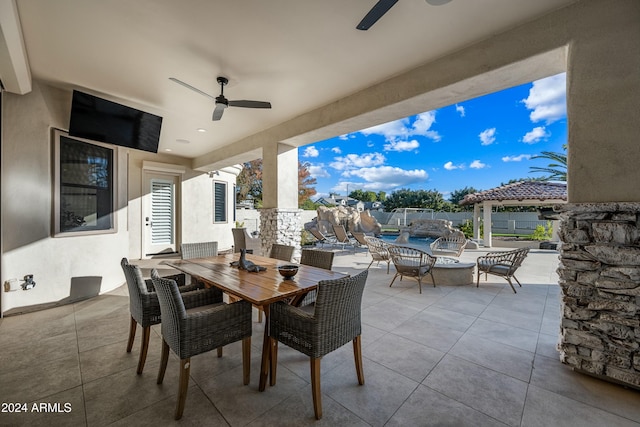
(479, 143)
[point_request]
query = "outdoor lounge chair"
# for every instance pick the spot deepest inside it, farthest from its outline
(322, 239)
(452, 245)
(189, 332)
(412, 262)
(379, 251)
(145, 308)
(359, 236)
(503, 264)
(342, 238)
(335, 320)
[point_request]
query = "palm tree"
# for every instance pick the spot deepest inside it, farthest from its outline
(557, 169)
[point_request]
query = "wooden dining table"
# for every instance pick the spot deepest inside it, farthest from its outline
(259, 288)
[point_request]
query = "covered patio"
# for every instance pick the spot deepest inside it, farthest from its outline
(453, 355)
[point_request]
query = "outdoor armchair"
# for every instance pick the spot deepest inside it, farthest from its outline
(145, 308)
(452, 245)
(315, 258)
(335, 320)
(410, 262)
(503, 264)
(189, 332)
(243, 240)
(199, 250)
(379, 251)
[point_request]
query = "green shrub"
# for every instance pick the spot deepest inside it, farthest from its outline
(542, 232)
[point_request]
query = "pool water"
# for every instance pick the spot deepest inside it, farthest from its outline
(417, 242)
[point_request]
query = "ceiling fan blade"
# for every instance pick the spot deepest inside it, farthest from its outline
(188, 86)
(375, 13)
(217, 113)
(250, 104)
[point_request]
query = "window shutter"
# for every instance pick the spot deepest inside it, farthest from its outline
(219, 202)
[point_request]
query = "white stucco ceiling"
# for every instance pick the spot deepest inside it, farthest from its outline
(300, 55)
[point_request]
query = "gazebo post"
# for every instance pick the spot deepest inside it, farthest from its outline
(486, 213)
(476, 221)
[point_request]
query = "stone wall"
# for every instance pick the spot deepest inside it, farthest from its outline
(600, 280)
(281, 226)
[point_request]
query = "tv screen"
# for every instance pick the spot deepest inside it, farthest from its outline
(105, 121)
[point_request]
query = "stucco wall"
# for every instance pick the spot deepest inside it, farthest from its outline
(56, 262)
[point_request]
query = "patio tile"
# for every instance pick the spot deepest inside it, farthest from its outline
(439, 338)
(427, 407)
(441, 317)
(505, 334)
(544, 408)
(388, 314)
(513, 317)
(550, 374)
(494, 394)
(377, 400)
(403, 356)
(499, 357)
(30, 351)
(547, 346)
(39, 380)
(65, 409)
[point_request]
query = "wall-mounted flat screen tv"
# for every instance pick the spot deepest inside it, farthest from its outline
(105, 121)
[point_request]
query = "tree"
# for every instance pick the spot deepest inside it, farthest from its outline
(405, 198)
(249, 182)
(363, 196)
(381, 196)
(557, 169)
(457, 195)
(305, 184)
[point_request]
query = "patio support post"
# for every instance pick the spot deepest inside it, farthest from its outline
(486, 211)
(476, 221)
(280, 217)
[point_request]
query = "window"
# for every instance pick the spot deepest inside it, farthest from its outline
(219, 201)
(84, 186)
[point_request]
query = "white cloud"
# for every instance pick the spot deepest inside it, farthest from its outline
(336, 150)
(344, 137)
(370, 144)
(487, 136)
(460, 110)
(351, 161)
(517, 158)
(385, 178)
(548, 99)
(402, 145)
(311, 152)
(477, 164)
(450, 166)
(403, 129)
(535, 135)
(318, 171)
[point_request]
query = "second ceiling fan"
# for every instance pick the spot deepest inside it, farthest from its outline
(221, 102)
(382, 7)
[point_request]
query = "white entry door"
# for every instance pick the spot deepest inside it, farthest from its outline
(159, 213)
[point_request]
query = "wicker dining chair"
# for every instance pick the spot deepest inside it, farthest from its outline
(281, 252)
(379, 251)
(336, 320)
(410, 262)
(503, 264)
(315, 258)
(189, 332)
(144, 306)
(199, 250)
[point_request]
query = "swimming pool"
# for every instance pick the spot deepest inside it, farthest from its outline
(417, 242)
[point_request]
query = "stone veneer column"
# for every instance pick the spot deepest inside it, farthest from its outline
(600, 281)
(281, 226)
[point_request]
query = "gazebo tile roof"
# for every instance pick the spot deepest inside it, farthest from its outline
(519, 191)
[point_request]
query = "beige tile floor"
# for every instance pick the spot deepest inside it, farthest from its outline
(453, 355)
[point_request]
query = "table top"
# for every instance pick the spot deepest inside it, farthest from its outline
(261, 288)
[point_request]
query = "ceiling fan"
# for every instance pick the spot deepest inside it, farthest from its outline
(382, 7)
(221, 102)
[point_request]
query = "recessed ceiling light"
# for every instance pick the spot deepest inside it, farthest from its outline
(201, 130)
(167, 149)
(183, 141)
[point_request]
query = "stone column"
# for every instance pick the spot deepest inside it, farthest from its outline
(280, 217)
(600, 280)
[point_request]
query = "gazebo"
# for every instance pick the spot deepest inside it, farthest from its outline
(523, 193)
